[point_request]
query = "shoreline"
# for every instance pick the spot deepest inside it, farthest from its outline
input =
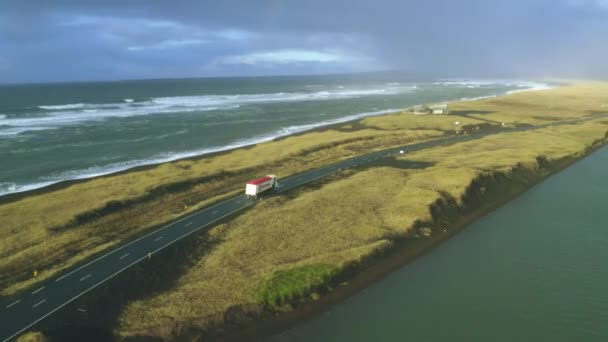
(388, 258)
(216, 151)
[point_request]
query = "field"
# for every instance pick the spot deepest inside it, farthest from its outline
(53, 231)
(279, 252)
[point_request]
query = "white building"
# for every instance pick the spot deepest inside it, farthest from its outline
(440, 109)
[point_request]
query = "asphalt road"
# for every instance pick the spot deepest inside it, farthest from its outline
(19, 313)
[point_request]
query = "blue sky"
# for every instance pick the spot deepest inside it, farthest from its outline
(61, 40)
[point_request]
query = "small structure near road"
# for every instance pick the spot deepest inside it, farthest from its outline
(440, 109)
(437, 109)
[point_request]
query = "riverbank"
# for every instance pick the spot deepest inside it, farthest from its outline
(378, 266)
(341, 240)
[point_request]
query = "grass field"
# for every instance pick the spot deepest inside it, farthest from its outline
(291, 245)
(52, 231)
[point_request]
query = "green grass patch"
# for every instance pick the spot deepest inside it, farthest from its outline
(295, 283)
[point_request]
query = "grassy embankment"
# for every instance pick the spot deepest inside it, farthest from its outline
(53, 231)
(295, 245)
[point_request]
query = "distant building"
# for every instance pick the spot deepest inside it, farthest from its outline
(440, 109)
(433, 109)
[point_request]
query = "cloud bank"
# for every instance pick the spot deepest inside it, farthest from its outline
(64, 40)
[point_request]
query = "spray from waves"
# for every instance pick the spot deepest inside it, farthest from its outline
(477, 98)
(530, 86)
(523, 85)
(55, 116)
(2, 116)
(66, 106)
(6, 188)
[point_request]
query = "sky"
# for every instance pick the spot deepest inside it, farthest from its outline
(73, 40)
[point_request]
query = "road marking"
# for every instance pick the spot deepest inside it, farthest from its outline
(214, 212)
(134, 241)
(85, 277)
(158, 238)
(13, 303)
(124, 255)
(40, 302)
(188, 224)
(40, 289)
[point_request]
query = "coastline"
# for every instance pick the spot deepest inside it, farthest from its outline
(244, 144)
(256, 323)
(366, 269)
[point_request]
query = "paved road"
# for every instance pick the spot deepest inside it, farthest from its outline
(19, 313)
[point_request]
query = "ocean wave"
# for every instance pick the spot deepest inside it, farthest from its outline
(9, 188)
(477, 98)
(530, 86)
(2, 116)
(95, 171)
(65, 106)
(56, 116)
(478, 83)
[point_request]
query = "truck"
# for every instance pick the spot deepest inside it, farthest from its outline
(257, 186)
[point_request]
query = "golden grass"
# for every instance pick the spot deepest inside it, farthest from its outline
(342, 222)
(569, 102)
(32, 337)
(30, 240)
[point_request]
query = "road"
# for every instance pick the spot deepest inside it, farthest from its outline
(19, 313)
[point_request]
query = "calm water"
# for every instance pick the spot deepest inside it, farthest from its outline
(535, 270)
(55, 132)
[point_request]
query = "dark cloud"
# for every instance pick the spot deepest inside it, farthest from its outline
(75, 40)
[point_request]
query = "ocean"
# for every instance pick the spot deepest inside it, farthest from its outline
(56, 132)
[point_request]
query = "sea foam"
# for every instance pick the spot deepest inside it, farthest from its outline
(171, 156)
(55, 116)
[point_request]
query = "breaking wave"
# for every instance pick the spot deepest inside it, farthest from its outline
(94, 171)
(55, 116)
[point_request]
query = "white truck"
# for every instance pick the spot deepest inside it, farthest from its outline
(259, 185)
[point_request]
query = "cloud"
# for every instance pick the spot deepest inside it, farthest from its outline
(61, 40)
(169, 44)
(602, 4)
(288, 56)
(235, 34)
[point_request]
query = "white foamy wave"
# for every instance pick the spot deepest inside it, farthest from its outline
(95, 171)
(2, 116)
(470, 83)
(523, 85)
(477, 98)
(56, 116)
(240, 99)
(9, 188)
(530, 86)
(65, 106)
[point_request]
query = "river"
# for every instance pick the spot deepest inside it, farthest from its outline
(534, 270)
